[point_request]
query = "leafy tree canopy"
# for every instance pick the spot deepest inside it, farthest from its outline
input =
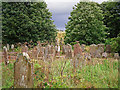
(85, 24)
(111, 12)
(26, 21)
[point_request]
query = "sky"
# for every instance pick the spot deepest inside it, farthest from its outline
(61, 9)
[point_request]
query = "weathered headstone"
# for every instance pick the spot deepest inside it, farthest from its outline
(116, 55)
(83, 47)
(8, 46)
(5, 52)
(93, 49)
(68, 51)
(99, 52)
(104, 55)
(77, 49)
(12, 46)
(24, 47)
(101, 45)
(63, 49)
(108, 48)
(56, 51)
(87, 56)
(23, 72)
(79, 61)
(35, 52)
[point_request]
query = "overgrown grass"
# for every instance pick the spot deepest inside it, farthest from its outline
(48, 75)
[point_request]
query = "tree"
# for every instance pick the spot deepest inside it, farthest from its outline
(26, 21)
(111, 12)
(85, 24)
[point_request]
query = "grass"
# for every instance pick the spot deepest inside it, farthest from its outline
(96, 74)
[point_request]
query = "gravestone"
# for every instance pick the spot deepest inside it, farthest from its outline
(93, 49)
(12, 46)
(99, 52)
(56, 51)
(104, 55)
(68, 53)
(63, 49)
(101, 45)
(8, 46)
(23, 72)
(83, 47)
(5, 52)
(116, 55)
(52, 49)
(87, 56)
(46, 54)
(79, 61)
(77, 49)
(35, 53)
(108, 48)
(24, 48)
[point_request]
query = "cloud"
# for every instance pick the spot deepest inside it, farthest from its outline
(61, 10)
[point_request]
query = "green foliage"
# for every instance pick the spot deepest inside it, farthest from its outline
(98, 75)
(7, 75)
(85, 25)
(26, 21)
(115, 43)
(111, 11)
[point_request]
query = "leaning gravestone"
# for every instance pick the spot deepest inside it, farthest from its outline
(5, 55)
(23, 72)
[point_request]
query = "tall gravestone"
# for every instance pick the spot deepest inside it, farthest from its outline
(63, 49)
(5, 52)
(108, 48)
(77, 49)
(68, 50)
(23, 72)
(8, 46)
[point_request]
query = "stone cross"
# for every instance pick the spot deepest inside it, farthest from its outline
(23, 72)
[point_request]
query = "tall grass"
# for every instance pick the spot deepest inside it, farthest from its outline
(96, 74)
